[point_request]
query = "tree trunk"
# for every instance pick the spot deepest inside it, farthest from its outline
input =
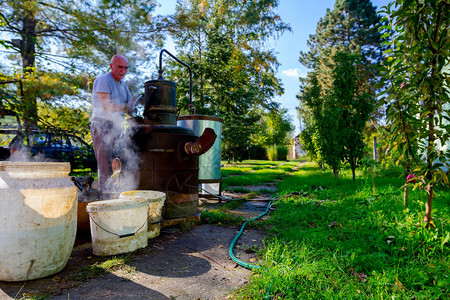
(405, 196)
(429, 204)
(353, 172)
(431, 145)
(336, 173)
(28, 53)
(29, 42)
(430, 149)
(407, 172)
(200, 45)
(429, 174)
(374, 189)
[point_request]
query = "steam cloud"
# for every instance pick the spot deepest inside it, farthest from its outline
(126, 150)
(23, 155)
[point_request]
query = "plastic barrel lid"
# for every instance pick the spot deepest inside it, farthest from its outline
(151, 196)
(116, 204)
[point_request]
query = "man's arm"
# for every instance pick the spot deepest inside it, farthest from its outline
(107, 105)
(129, 107)
(130, 103)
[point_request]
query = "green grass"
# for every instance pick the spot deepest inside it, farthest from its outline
(221, 217)
(83, 172)
(107, 266)
(33, 297)
(255, 172)
(249, 172)
(345, 240)
(252, 163)
(233, 171)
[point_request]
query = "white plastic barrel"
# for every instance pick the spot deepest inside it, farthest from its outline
(155, 208)
(38, 219)
(118, 225)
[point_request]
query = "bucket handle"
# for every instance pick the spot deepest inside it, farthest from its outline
(119, 235)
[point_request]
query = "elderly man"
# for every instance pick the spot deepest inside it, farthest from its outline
(110, 98)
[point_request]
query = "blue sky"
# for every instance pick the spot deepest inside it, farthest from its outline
(302, 15)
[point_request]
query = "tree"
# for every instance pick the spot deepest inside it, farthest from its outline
(353, 109)
(76, 37)
(351, 27)
(324, 131)
(274, 131)
(279, 126)
(76, 117)
(336, 120)
(225, 44)
(309, 112)
(305, 137)
(327, 136)
(419, 48)
(239, 128)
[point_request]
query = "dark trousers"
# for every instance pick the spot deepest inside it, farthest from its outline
(104, 135)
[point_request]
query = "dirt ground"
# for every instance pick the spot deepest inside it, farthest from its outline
(178, 264)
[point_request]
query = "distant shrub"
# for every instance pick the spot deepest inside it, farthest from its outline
(275, 153)
(257, 152)
(282, 152)
(272, 153)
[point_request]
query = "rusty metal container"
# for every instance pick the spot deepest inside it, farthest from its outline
(166, 154)
(167, 169)
(167, 161)
(160, 102)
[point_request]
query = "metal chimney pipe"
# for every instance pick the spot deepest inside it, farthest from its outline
(160, 71)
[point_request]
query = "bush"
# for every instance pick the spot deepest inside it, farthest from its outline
(282, 152)
(277, 153)
(272, 153)
(257, 152)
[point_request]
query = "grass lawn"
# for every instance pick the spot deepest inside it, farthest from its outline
(255, 172)
(339, 239)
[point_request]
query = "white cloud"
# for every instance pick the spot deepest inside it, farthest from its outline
(291, 73)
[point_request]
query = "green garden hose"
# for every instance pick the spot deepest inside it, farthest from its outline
(233, 257)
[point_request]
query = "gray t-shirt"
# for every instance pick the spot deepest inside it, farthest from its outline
(119, 94)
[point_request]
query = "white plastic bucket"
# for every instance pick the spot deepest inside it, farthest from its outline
(155, 208)
(118, 225)
(38, 219)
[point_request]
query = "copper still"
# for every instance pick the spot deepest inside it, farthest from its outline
(166, 154)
